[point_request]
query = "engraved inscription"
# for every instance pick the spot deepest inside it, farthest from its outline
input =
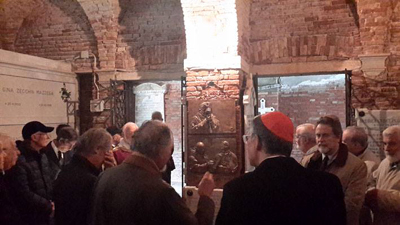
(375, 122)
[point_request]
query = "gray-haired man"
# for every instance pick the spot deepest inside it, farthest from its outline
(134, 193)
(74, 185)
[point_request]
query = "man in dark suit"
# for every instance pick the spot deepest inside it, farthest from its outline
(59, 151)
(74, 185)
(279, 190)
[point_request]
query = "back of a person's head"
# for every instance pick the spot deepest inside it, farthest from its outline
(392, 131)
(358, 135)
(128, 130)
(151, 137)
(92, 140)
(67, 134)
(333, 122)
(61, 126)
(308, 131)
(113, 130)
(275, 131)
(156, 116)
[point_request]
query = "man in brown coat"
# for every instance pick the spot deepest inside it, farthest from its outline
(356, 140)
(333, 157)
(384, 201)
(134, 193)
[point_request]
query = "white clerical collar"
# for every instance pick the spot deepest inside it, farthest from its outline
(55, 148)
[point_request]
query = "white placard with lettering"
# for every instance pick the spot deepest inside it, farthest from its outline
(149, 97)
(375, 122)
(25, 99)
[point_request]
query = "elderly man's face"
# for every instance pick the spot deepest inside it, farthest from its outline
(65, 147)
(391, 146)
(41, 139)
(250, 145)
(129, 133)
(347, 140)
(11, 152)
(300, 139)
(326, 140)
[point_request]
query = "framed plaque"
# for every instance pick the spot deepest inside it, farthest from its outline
(211, 117)
(218, 155)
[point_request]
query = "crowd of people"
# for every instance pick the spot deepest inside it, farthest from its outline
(123, 177)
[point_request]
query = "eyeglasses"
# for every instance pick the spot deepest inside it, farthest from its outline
(246, 138)
(324, 135)
(299, 136)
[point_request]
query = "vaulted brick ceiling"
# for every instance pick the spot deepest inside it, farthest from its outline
(149, 34)
(121, 33)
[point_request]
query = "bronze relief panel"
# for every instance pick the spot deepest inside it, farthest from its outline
(218, 155)
(211, 117)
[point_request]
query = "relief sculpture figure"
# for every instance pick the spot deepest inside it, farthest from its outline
(205, 120)
(198, 161)
(225, 161)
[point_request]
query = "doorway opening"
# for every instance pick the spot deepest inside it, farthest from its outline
(140, 108)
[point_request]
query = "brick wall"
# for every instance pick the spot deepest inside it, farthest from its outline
(307, 104)
(300, 31)
(374, 19)
(173, 111)
(11, 18)
(226, 82)
(151, 35)
(243, 18)
(394, 44)
(126, 34)
(380, 34)
(57, 30)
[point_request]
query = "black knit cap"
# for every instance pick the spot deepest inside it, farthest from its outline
(33, 127)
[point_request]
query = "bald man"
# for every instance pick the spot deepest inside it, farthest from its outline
(356, 140)
(305, 138)
(124, 147)
(384, 200)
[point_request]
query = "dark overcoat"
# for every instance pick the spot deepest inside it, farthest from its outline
(30, 185)
(73, 191)
(280, 191)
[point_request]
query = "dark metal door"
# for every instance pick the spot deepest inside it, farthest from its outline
(349, 109)
(118, 102)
